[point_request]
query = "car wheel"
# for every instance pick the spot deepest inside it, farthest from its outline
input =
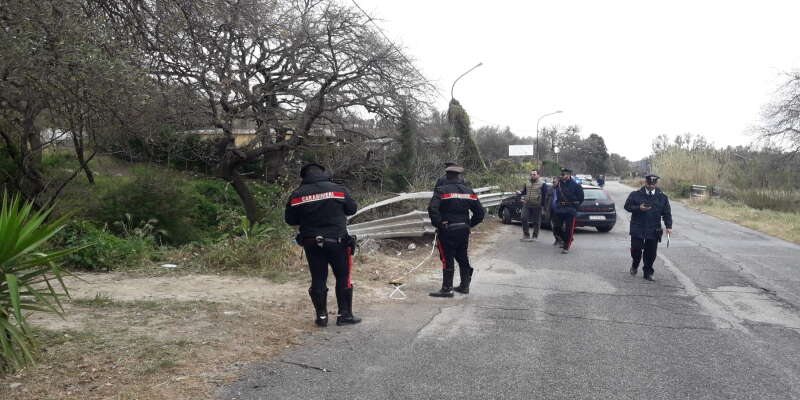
(506, 215)
(605, 228)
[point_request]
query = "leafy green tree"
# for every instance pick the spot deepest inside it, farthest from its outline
(459, 120)
(596, 154)
(619, 165)
(405, 161)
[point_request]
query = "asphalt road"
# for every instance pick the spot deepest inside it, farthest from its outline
(722, 321)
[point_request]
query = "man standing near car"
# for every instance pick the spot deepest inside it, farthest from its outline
(449, 211)
(533, 197)
(568, 197)
(648, 206)
(321, 207)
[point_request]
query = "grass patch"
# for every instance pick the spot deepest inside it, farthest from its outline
(784, 225)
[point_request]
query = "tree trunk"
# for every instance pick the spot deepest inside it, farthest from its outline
(80, 154)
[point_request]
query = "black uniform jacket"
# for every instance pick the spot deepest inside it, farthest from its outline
(320, 207)
(441, 181)
(569, 195)
(452, 201)
(647, 224)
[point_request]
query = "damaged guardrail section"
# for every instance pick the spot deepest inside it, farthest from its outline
(415, 223)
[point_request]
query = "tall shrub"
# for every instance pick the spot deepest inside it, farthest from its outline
(29, 278)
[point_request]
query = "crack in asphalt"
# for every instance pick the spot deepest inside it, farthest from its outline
(307, 366)
(590, 293)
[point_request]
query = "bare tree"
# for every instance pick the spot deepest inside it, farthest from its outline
(783, 116)
(285, 65)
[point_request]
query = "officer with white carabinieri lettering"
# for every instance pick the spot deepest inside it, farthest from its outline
(321, 208)
(449, 210)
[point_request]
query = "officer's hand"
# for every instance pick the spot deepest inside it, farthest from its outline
(669, 231)
(644, 207)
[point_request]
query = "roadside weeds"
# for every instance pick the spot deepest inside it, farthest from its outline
(183, 335)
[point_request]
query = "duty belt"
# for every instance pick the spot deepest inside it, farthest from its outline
(456, 226)
(321, 240)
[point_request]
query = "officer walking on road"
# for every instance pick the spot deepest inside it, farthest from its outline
(320, 207)
(449, 210)
(648, 206)
(568, 196)
(533, 198)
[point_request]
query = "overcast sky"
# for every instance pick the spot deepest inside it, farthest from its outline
(626, 70)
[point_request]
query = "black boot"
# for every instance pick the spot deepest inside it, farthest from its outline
(634, 268)
(344, 298)
(447, 285)
(320, 300)
(466, 278)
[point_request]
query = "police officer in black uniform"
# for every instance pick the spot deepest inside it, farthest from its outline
(449, 210)
(320, 207)
(568, 196)
(648, 206)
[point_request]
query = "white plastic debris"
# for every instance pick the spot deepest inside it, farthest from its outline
(169, 266)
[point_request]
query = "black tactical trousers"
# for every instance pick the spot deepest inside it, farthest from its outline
(648, 247)
(334, 254)
(563, 226)
(453, 245)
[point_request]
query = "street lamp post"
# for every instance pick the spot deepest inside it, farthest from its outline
(461, 76)
(537, 131)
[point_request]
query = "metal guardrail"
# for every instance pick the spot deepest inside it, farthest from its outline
(698, 191)
(415, 223)
(702, 192)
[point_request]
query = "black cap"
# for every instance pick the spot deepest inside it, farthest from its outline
(566, 171)
(651, 179)
(449, 164)
(305, 168)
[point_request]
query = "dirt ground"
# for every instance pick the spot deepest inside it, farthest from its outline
(181, 336)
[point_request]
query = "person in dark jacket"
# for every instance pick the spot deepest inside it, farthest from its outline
(648, 207)
(533, 199)
(601, 181)
(552, 203)
(568, 196)
(449, 211)
(320, 207)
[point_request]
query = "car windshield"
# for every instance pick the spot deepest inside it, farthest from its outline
(594, 194)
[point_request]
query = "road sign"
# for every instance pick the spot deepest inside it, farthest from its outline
(520, 150)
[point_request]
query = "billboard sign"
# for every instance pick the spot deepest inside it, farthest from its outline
(520, 150)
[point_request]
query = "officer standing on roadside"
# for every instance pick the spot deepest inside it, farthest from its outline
(568, 196)
(449, 210)
(321, 207)
(648, 206)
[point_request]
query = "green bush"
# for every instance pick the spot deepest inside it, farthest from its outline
(106, 251)
(159, 196)
(266, 252)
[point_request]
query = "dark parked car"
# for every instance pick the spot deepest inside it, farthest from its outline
(597, 210)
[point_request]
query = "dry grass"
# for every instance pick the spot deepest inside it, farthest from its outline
(784, 225)
(149, 337)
